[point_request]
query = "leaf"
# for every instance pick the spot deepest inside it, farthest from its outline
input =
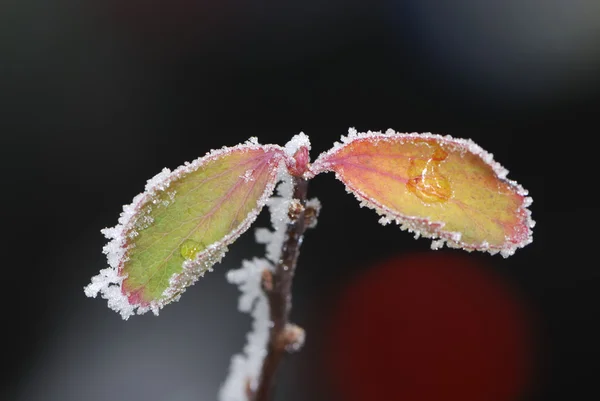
(435, 186)
(181, 226)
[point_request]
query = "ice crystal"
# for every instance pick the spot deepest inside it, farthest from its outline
(278, 208)
(245, 367)
(314, 204)
(298, 141)
(108, 283)
(247, 176)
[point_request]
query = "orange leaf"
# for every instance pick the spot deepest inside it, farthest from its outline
(436, 186)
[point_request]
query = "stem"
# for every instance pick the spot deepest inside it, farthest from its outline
(279, 294)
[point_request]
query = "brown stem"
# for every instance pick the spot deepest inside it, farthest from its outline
(279, 292)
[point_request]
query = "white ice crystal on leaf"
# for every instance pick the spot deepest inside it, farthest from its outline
(108, 283)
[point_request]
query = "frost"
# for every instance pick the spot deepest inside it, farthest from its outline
(278, 208)
(245, 367)
(159, 182)
(297, 141)
(385, 220)
(315, 204)
(247, 176)
(108, 283)
(437, 244)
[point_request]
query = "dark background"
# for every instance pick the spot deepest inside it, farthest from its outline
(97, 97)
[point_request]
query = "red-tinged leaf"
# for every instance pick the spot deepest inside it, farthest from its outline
(182, 224)
(436, 186)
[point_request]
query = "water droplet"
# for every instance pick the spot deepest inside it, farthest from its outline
(190, 248)
(425, 179)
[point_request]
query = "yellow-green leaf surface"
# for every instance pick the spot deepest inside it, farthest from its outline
(436, 186)
(181, 225)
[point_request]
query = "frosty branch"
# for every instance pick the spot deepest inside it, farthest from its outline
(278, 287)
(439, 187)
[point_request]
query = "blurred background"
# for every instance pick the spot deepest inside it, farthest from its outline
(97, 97)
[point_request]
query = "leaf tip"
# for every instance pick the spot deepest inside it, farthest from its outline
(108, 284)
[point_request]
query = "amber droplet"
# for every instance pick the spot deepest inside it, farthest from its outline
(425, 179)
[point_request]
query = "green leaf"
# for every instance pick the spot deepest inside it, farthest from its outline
(181, 226)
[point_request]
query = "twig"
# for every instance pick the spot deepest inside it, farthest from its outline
(283, 336)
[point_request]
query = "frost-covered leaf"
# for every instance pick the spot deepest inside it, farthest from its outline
(181, 225)
(436, 186)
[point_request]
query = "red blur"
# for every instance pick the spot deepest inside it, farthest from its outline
(435, 326)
